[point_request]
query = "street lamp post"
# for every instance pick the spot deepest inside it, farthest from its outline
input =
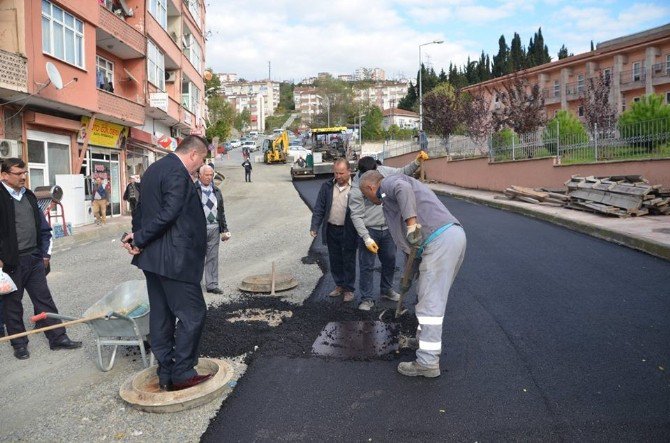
(434, 42)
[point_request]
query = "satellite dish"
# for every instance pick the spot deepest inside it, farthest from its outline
(54, 75)
(208, 75)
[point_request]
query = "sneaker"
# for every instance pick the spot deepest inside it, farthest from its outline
(366, 305)
(390, 294)
(347, 296)
(414, 369)
(336, 292)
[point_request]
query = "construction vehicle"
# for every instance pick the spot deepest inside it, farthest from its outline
(275, 149)
(327, 145)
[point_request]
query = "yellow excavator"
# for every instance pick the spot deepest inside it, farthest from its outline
(275, 150)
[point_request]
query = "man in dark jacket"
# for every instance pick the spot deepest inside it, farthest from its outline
(25, 251)
(168, 243)
(212, 205)
(331, 213)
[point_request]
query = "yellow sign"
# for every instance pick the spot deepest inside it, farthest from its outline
(105, 134)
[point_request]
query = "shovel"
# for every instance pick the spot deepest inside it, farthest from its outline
(405, 285)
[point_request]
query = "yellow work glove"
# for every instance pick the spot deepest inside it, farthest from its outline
(371, 245)
(422, 155)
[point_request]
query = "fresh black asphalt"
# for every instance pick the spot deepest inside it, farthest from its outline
(549, 335)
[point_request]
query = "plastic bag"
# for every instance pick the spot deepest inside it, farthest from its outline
(6, 283)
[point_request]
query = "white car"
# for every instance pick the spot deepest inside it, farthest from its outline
(235, 143)
(298, 151)
(250, 145)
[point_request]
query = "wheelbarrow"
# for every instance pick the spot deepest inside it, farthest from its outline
(121, 318)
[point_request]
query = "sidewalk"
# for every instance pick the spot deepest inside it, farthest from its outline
(650, 234)
(114, 227)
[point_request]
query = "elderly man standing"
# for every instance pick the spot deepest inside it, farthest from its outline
(168, 243)
(370, 224)
(212, 204)
(25, 251)
(331, 213)
(418, 219)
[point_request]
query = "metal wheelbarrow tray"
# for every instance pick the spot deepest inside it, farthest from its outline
(121, 318)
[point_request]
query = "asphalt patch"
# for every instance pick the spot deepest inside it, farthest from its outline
(357, 339)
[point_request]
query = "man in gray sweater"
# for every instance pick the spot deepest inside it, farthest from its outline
(417, 218)
(376, 240)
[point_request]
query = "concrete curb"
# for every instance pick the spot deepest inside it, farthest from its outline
(656, 249)
(92, 233)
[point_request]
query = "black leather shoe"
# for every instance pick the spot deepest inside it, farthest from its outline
(65, 343)
(193, 381)
(21, 352)
(215, 291)
(165, 387)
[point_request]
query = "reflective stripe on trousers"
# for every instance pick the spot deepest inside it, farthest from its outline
(440, 263)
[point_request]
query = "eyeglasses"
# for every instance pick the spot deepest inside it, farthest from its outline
(19, 174)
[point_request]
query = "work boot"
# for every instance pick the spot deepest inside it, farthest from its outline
(347, 296)
(414, 369)
(336, 292)
(366, 305)
(390, 294)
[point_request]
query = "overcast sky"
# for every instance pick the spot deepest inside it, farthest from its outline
(302, 37)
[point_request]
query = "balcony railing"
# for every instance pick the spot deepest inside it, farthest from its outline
(633, 76)
(114, 27)
(120, 108)
(13, 71)
(574, 90)
(660, 70)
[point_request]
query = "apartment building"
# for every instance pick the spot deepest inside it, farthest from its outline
(94, 88)
(376, 74)
(308, 102)
(261, 98)
(383, 94)
(636, 65)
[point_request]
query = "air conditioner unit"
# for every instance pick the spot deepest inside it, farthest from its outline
(9, 148)
(170, 76)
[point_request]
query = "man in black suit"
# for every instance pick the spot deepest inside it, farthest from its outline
(169, 242)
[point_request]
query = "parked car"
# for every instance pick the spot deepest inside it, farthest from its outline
(250, 145)
(235, 143)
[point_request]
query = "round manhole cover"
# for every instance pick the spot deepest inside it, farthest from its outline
(142, 391)
(263, 283)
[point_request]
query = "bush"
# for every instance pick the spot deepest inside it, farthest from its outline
(564, 128)
(504, 139)
(647, 122)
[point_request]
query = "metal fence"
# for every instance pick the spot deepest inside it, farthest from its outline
(573, 144)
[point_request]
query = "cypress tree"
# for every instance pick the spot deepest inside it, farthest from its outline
(501, 60)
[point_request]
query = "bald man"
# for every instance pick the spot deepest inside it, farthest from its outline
(212, 204)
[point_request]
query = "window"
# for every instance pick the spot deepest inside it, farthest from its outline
(156, 65)
(607, 75)
(62, 35)
(190, 96)
(192, 51)
(48, 155)
(104, 74)
(158, 8)
(667, 98)
(636, 99)
(637, 71)
(580, 111)
(557, 88)
(667, 64)
(580, 83)
(194, 9)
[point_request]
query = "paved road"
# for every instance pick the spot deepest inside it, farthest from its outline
(549, 335)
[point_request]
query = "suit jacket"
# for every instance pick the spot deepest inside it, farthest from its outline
(220, 213)
(169, 224)
(9, 246)
(321, 213)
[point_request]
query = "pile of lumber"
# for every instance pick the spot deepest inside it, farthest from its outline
(541, 196)
(620, 196)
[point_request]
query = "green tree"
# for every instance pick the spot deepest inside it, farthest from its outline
(647, 121)
(221, 118)
(566, 129)
(286, 96)
(242, 120)
(372, 124)
(410, 101)
(213, 85)
(501, 60)
(563, 53)
(538, 53)
(517, 54)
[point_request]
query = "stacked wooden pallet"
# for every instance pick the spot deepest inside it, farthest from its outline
(620, 196)
(541, 197)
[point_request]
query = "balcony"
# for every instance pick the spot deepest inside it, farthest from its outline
(633, 79)
(574, 90)
(13, 72)
(120, 109)
(118, 37)
(551, 96)
(660, 73)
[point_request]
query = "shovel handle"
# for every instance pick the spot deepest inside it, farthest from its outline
(49, 328)
(38, 317)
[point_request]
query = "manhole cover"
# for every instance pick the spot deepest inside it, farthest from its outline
(263, 283)
(356, 339)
